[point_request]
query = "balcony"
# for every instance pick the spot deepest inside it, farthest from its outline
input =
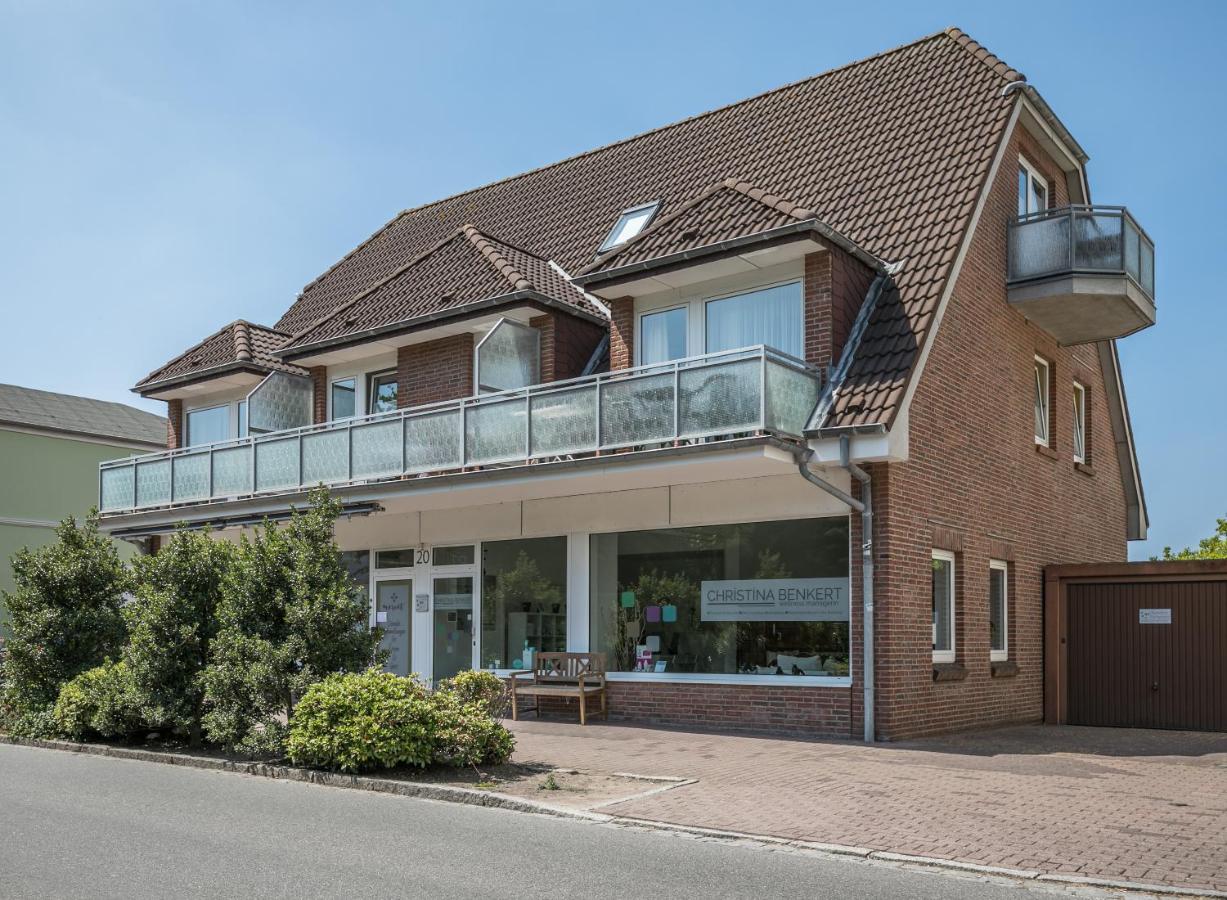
(1082, 273)
(751, 391)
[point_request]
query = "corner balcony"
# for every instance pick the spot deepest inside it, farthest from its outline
(1082, 273)
(753, 391)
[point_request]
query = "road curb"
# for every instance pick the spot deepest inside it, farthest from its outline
(492, 799)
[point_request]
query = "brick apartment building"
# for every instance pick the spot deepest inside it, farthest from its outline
(645, 401)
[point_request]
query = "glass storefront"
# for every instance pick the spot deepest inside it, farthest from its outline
(765, 598)
(523, 600)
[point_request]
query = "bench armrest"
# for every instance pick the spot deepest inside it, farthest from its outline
(515, 674)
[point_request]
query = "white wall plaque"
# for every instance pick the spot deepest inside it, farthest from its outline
(1154, 617)
(775, 600)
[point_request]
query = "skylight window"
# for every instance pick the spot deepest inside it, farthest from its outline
(630, 223)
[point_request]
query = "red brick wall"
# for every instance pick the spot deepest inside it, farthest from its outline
(174, 424)
(622, 333)
(435, 371)
(567, 344)
(319, 394)
(835, 288)
(974, 481)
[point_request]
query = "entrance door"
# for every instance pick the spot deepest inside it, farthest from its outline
(392, 614)
(452, 602)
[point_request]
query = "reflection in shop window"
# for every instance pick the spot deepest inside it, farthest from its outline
(523, 600)
(766, 598)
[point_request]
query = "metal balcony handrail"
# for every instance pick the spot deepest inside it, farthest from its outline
(463, 407)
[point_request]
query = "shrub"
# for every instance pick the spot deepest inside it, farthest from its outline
(289, 616)
(467, 734)
(171, 626)
(485, 689)
(355, 722)
(99, 703)
(64, 619)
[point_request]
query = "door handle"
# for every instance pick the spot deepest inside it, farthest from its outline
(1154, 685)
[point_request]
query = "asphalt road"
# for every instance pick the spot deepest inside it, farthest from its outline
(84, 826)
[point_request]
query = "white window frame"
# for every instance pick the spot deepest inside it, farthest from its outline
(232, 424)
(370, 394)
(1043, 395)
(947, 656)
(609, 244)
(1033, 177)
(1000, 565)
(652, 312)
(1079, 423)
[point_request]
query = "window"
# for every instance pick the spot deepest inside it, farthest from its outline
(380, 392)
(508, 357)
(1079, 423)
(662, 335)
(771, 316)
(762, 598)
(344, 398)
(204, 426)
(242, 418)
(1042, 381)
(395, 559)
(998, 610)
(1032, 189)
(523, 599)
(943, 606)
(629, 224)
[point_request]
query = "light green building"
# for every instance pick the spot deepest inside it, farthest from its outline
(50, 446)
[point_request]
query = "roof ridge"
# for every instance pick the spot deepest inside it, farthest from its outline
(621, 141)
(196, 346)
(776, 202)
(485, 245)
(242, 341)
(993, 62)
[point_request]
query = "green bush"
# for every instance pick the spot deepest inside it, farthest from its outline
(355, 722)
(475, 686)
(64, 619)
(467, 735)
(100, 703)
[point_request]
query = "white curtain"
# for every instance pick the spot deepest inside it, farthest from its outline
(662, 336)
(772, 316)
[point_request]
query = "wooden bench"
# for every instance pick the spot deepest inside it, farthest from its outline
(568, 675)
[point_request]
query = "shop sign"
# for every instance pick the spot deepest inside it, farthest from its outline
(1154, 617)
(776, 600)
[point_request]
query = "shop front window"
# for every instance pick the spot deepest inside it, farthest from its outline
(766, 598)
(523, 600)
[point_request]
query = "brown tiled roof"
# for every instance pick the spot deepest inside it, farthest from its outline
(466, 267)
(891, 152)
(239, 345)
(728, 209)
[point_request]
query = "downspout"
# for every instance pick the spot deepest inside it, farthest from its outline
(865, 508)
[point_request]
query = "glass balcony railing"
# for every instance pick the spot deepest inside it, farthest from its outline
(736, 392)
(1081, 240)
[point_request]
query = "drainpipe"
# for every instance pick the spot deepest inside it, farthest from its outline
(865, 508)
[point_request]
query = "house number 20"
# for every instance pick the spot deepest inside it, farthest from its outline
(423, 557)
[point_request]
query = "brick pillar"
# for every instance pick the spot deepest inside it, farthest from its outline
(403, 360)
(835, 287)
(319, 394)
(174, 424)
(435, 371)
(622, 333)
(546, 324)
(817, 302)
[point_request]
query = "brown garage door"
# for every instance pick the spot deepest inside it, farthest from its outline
(1148, 654)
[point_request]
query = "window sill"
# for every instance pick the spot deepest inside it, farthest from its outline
(1045, 450)
(1005, 668)
(949, 671)
(1085, 469)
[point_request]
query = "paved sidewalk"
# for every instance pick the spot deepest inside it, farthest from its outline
(1141, 806)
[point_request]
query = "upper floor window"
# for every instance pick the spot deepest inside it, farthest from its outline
(998, 610)
(662, 335)
(1032, 189)
(772, 316)
(204, 426)
(943, 606)
(381, 392)
(630, 223)
(344, 398)
(1043, 375)
(241, 408)
(1079, 423)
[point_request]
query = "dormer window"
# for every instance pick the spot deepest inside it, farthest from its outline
(630, 223)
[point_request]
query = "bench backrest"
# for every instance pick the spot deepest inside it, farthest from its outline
(565, 668)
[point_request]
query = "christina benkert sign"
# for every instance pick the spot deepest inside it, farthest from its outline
(775, 600)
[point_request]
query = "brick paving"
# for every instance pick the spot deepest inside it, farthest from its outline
(1127, 805)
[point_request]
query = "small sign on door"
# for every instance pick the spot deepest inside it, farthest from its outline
(421, 602)
(1154, 616)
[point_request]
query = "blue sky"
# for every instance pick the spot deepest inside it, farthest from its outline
(169, 167)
